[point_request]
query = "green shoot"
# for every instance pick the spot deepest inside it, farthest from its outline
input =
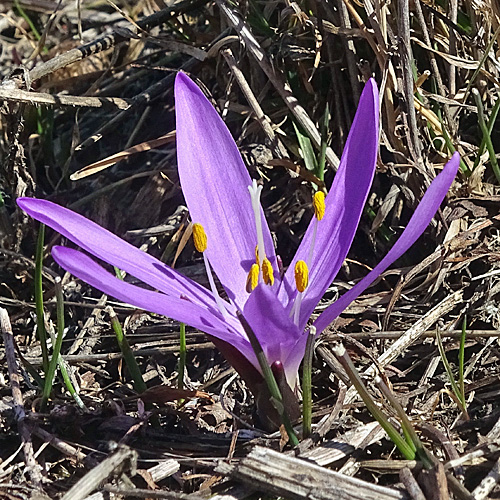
(128, 355)
(486, 133)
(57, 346)
(406, 450)
(461, 363)
(460, 397)
(118, 273)
(29, 22)
(30, 368)
(408, 430)
(491, 123)
(40, 318)
(51, 372)
(306, 149)
(69, 385)
(451, 148)
(182, 358)
(56, 356)
(320, 173)
(480, 66)
(307, 384)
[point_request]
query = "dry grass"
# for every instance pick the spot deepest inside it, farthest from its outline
(436, 65)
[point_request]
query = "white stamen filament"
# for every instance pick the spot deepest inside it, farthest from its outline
(255, 191)
(313, 243)
(295, 312)
(218, 300)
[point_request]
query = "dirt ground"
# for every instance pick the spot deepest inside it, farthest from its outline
(87, 121)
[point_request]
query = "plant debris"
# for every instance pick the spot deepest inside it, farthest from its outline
(87, 121)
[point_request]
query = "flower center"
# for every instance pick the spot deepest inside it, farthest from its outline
(262, 270)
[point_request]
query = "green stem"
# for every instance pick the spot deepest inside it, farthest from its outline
(182, 356)
(69, 385)
(40, 318)
(51, 372)
(307, 384)
(486, 134)
(276, 398)
(408, 430)
(346, 362)
(128, 355)
(461, 363)
(491, 123)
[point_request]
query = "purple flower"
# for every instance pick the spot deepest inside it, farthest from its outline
(229, 224)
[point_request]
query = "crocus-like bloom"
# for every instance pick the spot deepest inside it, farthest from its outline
(231, 231)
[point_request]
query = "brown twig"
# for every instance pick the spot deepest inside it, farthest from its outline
(405, 54)
(121, 460)
(410, 336)
(15, 383)
(43, 99)
(281, 87)
(262, 118)
(107, 41)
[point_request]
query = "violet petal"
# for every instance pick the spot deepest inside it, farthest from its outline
(215, 185)
(344, 206)
(273, 327)
(111, 249)
(421, 218)
(86, 269)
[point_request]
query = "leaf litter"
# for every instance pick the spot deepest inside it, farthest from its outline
(318, 53)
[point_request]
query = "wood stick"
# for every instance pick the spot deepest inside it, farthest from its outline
(294, 478)
(17, 396)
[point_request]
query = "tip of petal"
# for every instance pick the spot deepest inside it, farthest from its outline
(370, 93)
(23, 202)
(450, 171)
(31, 204)
(454, 162)
(184, 86)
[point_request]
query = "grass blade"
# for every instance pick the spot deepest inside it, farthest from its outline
(40, 317)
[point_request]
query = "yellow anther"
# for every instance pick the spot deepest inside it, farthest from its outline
(257, 253)
(301, 275)
(319, 204)
(199, 237)
(252, 278)
(267, 272)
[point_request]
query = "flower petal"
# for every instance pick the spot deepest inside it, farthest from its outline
(85, 268)
(111, 249)
(420, 220)
(344, 205)
(274, 328)
(215, 185)
(292, 361)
